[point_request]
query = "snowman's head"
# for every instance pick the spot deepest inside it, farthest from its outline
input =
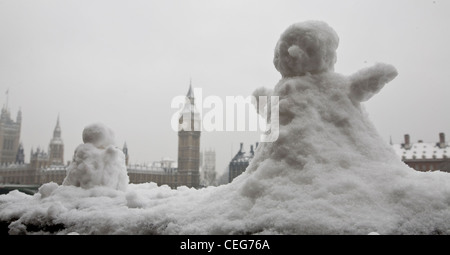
(306, 47)
(99, 135)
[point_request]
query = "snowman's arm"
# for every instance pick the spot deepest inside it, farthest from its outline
(262, 96)
(369, 81)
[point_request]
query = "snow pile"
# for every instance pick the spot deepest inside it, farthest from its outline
(98, 162)
(329, 172)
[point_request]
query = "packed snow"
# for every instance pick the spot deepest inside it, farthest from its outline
(329, 172)
(98, 162)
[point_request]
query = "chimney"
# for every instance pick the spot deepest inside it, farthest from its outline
(251, 150)
(407, 143)
(441, 140)
(242, 145)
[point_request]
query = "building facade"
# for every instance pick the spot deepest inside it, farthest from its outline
(9, 136)
(424, 156)
(42, 168)
(208, 175)
(240, 162)
(162, 172)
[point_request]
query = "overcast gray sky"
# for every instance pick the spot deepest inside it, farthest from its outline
(122, 63)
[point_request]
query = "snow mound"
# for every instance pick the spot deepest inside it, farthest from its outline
(98, 162)
(329, 172)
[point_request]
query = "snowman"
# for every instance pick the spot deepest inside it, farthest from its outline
(329, 166)
(321, 117)
(98, 162)
(324, 130)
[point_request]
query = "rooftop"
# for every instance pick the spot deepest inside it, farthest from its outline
(423, 150)
(243, 156)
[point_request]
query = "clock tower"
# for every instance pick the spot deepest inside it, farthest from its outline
(189, 143)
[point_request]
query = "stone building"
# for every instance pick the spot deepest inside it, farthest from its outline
(240, 162)
(9, 136)
(208, 168)
(56, 147)
(162, 172)
(53, 173)
(189, 143)
(20, 156)
(184, 172)
(42, 168)
(39, 159)
(424, 156)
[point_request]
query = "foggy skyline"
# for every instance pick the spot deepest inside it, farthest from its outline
(121, 63)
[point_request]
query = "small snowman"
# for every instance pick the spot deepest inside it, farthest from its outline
(98, 162)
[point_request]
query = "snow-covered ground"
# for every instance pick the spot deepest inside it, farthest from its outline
(329, 172)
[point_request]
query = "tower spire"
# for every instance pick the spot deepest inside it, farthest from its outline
(56, 146)
(7, 98)
(190, 93)
(57, 130)
(5, 111)
(125, 151)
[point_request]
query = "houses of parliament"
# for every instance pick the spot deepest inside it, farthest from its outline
(50, 166)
